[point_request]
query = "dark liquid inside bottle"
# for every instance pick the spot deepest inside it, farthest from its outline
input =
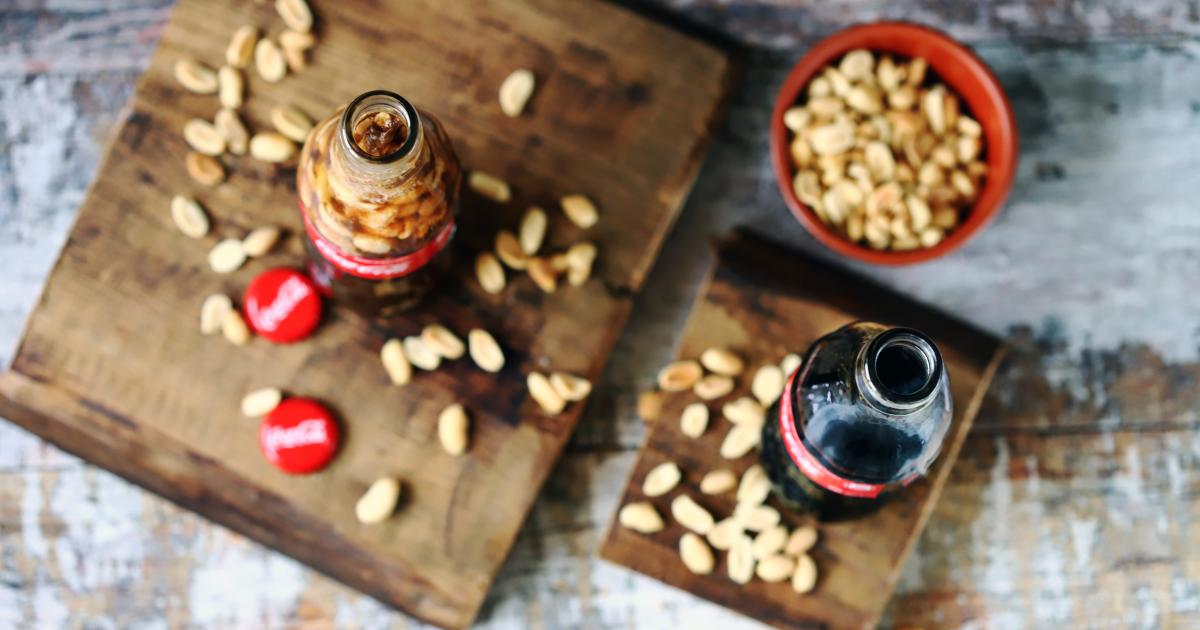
(851, 439)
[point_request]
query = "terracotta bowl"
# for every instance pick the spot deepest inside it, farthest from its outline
(956, 66)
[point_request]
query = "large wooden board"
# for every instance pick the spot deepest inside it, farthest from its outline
(765, 301)
(113, 368)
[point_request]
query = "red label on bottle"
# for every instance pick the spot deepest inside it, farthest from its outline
(808, 463)
(377, 268)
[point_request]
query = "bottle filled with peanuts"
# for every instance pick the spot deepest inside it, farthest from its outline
(379, 187)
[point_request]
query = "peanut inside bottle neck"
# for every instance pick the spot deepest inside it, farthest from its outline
(380, 134)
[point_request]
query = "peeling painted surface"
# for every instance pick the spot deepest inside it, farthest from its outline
(1074, 499)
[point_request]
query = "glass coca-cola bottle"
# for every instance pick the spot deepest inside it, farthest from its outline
(379, 188)
(863, 416)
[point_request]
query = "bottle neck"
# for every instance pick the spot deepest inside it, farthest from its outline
(380, 140)
(899, 371)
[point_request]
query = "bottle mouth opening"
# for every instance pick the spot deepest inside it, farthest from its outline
(904, 365)
(380, 126)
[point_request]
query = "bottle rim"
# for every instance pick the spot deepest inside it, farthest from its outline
(349, 116)
(918, 345)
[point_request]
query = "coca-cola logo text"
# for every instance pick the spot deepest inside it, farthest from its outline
(304, 433)
(290, 293)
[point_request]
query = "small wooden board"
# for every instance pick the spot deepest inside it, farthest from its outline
(763, 302)
(112, 366)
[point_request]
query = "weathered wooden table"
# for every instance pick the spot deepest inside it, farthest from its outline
(1072, 504)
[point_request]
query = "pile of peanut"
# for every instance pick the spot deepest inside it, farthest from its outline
(519, 252)
(227, 134)
(757, 542)
(884, 154)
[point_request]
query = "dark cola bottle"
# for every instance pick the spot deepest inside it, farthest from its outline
(862, 417)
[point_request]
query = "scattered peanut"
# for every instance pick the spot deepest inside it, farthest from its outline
(489, 273)
(515, 92)
(741, 559)
(484, 350)
(718, 482)
(202, 136)
(205, 169)
(641, 517)
(231, 129)
(442, 341)
(769, 542)
(679, 376)
(398, 369)
(713, 386)
(694, 420)
(452, 429)
(661, 479)
(756, 518)
(580, 210)
(231, 87)
(722, 361)
(754, 487)
(212, 312)
(533, 230)
(775, 568)
(271, 147)
(744, 411)
(543, 274)
(420, 355)
(805, 576)
(260, 240)
(572, 388)
(378, 502)
(508, 249)
(291, 122)
(189, 217)
(767, 384)
(722, 534)
(543, 393)
(740, 440)
(241, 46)
(234, 328)
(195, 76)
(295, 14)
(227, 256)
(580, 258)
(269, 61)
(489, 186)
(294, 46)
(801, 540)
(260, 402)
(696, 554)
(691, 515)
(649, 405)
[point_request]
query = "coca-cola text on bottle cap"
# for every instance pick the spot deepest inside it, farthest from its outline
(282, 305)
(299, 436)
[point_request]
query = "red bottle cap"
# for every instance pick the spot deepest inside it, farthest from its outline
(299, 436)
(283, 305)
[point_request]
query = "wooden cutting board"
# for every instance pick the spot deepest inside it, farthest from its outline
(112, 366)
(763, 302)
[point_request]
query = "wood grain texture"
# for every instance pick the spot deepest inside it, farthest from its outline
(112, 368)
(1084, 525)
(763, 302)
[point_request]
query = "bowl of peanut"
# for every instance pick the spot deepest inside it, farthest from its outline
(892, 143)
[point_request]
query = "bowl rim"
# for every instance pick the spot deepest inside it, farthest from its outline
(1004, 139)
